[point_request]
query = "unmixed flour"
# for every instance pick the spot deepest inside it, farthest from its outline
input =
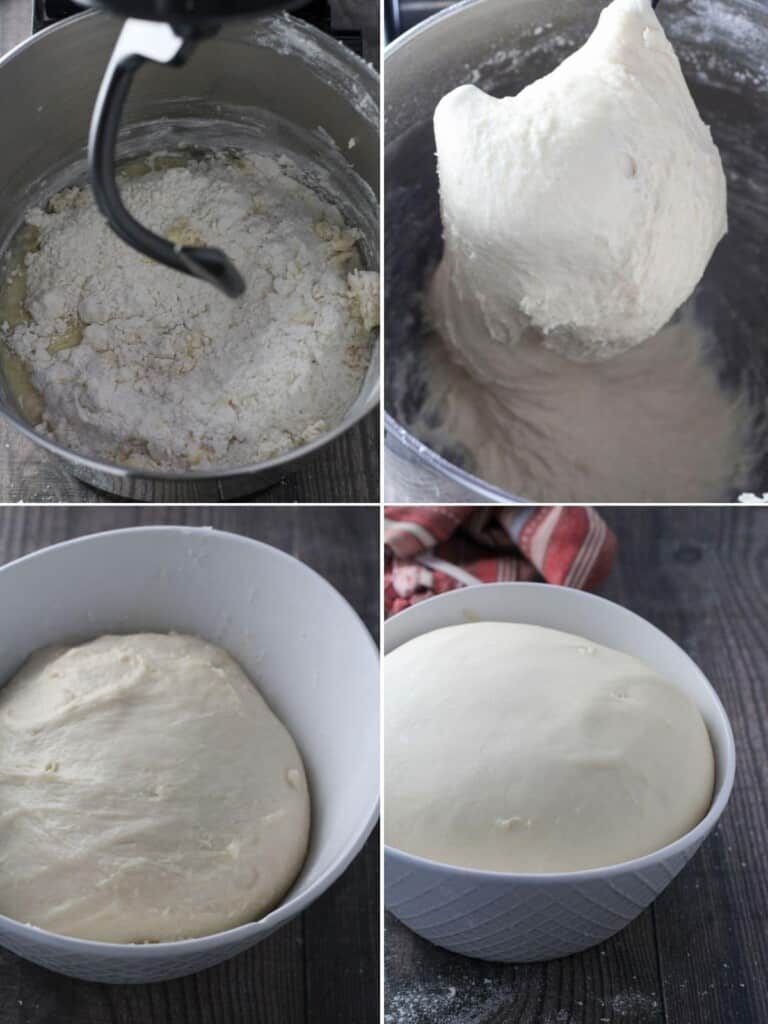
(133, 362)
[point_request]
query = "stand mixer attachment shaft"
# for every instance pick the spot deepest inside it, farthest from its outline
(164, 31)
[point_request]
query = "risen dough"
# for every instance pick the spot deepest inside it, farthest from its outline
(147, 792)
(590, 202)
(517, 748)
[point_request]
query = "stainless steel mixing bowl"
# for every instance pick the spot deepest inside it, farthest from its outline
(502, 45)
(276, 75)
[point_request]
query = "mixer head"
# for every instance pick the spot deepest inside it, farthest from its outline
(165, 31)
(187, 12)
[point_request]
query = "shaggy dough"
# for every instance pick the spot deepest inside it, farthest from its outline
(147, 792)
(517, 748)
(588, 205)
(119, 358)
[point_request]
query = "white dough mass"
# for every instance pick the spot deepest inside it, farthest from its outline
(591, 202)
(517, 748)
(147, 792)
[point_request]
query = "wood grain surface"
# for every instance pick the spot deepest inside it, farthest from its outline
(321, 968)
(347, 470)
(699, 954)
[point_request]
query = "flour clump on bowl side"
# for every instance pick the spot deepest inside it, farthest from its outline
(518, 748)
(148, 792)
(136, 364)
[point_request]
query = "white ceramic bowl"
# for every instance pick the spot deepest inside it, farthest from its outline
(314, 661)
(517, 917)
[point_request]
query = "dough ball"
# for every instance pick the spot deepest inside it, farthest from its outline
(516, 748)
(147, 792)
(591, 201)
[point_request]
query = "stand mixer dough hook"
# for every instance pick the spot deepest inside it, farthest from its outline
(164, 32)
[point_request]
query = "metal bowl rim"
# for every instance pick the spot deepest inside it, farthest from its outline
(392, 426)
(191, 476)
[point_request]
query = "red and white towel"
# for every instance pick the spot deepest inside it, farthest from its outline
(433, 548)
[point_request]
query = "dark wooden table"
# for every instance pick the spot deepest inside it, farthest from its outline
(345, 471)
(321, 968)
(699, 954)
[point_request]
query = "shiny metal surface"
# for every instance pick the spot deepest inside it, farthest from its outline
(251, 71)
(502, 45)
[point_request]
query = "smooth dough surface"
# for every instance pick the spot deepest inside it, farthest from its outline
(147, 792)
(511, 747)
(588, 205)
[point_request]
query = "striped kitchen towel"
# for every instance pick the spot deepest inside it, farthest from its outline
(433, 548)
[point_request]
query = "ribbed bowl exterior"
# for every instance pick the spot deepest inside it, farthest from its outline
(515, 920)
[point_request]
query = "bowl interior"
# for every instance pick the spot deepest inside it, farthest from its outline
(595, 618)
(278, 618)
(276, 85)
(503, 45)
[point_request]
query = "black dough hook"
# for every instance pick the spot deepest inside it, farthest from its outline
(166, 32)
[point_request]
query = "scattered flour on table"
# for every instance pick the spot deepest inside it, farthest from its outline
(631, 1003)
(118, 357)
(479, 1000)
(474, 1001)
